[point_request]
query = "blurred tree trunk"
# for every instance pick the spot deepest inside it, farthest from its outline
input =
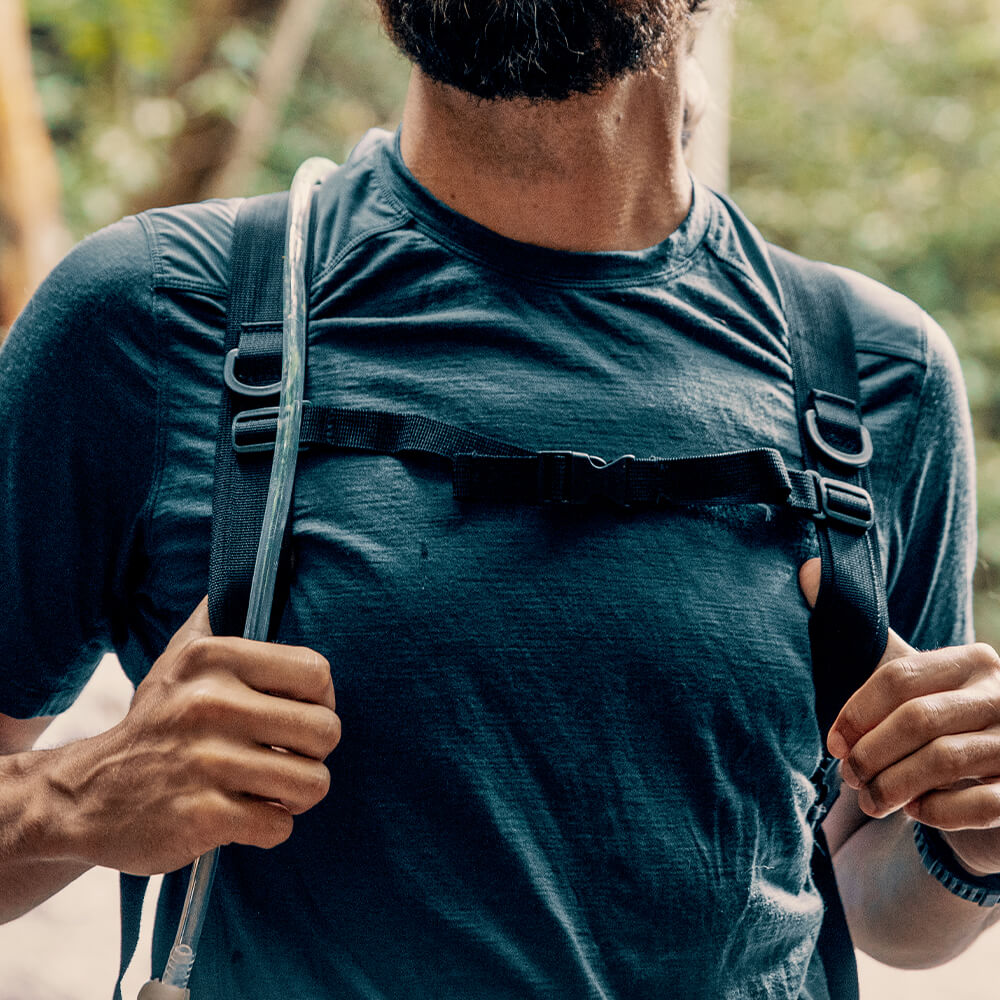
(211, 155)
(279, 72)
(32, 234)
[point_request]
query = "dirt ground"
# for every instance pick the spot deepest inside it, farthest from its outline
(67, 949)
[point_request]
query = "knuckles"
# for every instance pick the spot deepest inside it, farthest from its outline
(331, 738)
(275, 828)
(314, 674)
(195, 656)
(950, 759)
(922, 715)
(900, 676)
(986, 658)
(204, 702)
(314, 788)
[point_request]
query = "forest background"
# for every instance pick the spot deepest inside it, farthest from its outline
(862, 133)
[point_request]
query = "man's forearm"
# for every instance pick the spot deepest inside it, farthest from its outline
(898, 913)
(33, 864)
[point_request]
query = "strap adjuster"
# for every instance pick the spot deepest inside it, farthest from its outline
(826, 781)
(574, 477)
(844, 503)
(255, 431)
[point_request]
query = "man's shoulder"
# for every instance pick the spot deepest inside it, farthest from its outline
(190, 244)
(885, 322)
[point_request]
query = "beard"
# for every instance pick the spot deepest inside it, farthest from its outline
(541, 50)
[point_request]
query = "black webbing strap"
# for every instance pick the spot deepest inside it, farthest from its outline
(850, 622)
(252, 372)
(835, 947)
(848, 627)
(740, 477)
(366, 430)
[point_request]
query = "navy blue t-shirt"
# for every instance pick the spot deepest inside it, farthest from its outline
(577, 746)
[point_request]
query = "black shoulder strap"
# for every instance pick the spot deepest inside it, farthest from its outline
(849, 625)
(252, 374)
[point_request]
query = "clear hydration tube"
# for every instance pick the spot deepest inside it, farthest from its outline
(286, 450)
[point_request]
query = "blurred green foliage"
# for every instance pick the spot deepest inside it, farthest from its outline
(116, 91)
(868, 134)
(863, 133)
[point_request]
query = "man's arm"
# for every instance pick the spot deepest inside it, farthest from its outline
(224, 742)
(26, 882)
(896, 911)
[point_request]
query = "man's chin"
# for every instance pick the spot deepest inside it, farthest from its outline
(543, 50)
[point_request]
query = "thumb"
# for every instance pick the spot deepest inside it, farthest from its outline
(810, 573)
(809, 577)
(842, 735)
(196, 627)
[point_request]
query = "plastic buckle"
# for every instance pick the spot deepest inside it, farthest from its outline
(574, 477)
(241, 388)
(826, 781)
(845, 503)
(255, 431)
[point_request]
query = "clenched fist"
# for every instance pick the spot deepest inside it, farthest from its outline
(224, 742)
(922, 734)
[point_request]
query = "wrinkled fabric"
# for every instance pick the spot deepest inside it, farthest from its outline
(577, 743)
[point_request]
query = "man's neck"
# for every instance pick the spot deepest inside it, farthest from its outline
(593, 173)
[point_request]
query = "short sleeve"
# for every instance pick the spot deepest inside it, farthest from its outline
(78, 420)
(930, 580)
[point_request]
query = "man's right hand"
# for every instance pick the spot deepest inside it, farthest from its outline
(224, 743)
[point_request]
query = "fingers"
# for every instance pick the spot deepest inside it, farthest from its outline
(809, 579)
(221, 705)
(923, 732)
(297, 783)
(910, 699)
(901, 675)
(939, 765)
(976, 807)
(263, 824)
(213, 819)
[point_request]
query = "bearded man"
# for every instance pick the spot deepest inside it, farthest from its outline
(577, 747)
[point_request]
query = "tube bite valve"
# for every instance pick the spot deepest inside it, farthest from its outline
(155, 990)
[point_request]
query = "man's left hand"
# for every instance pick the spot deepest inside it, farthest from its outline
(922, 734)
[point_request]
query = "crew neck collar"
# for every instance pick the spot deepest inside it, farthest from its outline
(475, 241)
